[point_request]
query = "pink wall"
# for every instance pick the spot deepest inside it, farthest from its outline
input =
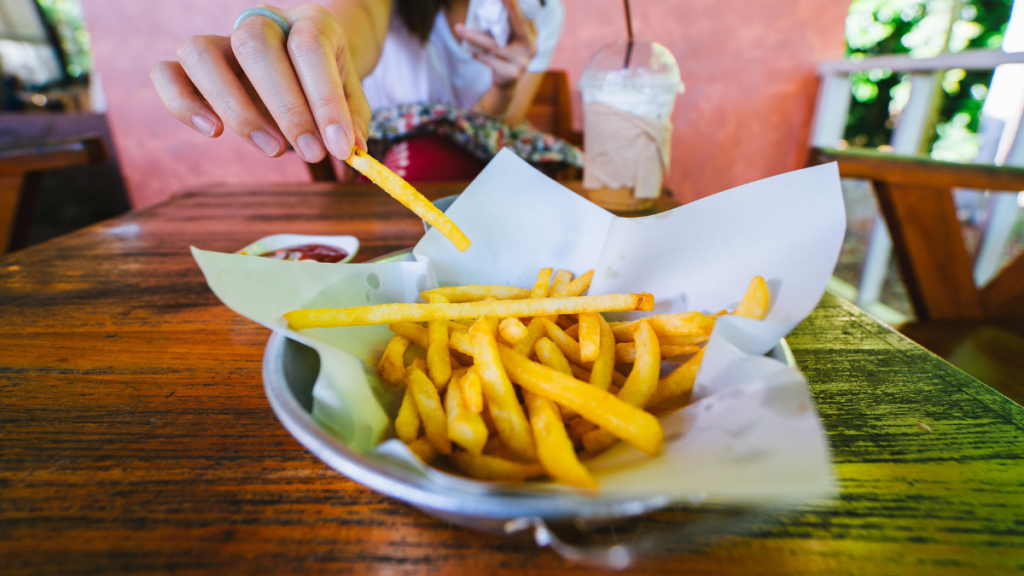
(748, 68)
(159, 156)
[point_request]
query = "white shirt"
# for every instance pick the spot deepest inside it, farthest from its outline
(443, 69)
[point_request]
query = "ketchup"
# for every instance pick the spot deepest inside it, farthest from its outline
(317, 252)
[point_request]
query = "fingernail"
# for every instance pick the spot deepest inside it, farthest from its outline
(265, 142)
(339, 141)
(204, 125)
(310, 148)
(361, 142)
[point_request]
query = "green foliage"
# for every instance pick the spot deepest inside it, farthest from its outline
(66, 18)
(921, 28)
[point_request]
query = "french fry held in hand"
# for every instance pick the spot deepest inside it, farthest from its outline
(478, 351)
(394, 185)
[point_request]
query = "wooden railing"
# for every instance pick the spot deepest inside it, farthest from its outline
(911, 131)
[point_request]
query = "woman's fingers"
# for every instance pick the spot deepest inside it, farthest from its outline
(481, 40)
(181, 99)
(503, 71)
(259, 46)
(358, 106)
(321, 61)
(212, 68)
(269, 90)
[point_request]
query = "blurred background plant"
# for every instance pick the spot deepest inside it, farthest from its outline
(921, 28)
(65, 16)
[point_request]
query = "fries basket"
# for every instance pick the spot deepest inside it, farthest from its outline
(749, 445)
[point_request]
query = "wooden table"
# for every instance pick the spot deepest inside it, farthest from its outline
(135, 436)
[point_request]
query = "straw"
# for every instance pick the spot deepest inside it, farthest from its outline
(629, 31)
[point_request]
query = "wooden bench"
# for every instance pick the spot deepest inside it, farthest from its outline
(21, 171)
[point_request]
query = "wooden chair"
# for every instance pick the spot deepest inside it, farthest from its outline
(21, 170)
(980, 329)
(551, 112)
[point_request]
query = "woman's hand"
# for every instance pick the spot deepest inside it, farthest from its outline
(270, 90)
(507, 64)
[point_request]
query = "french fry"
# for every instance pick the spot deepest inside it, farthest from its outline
(755, 302)
(693, 340)
(477, 293)
(423, 450)
(457, 339)
(603, 372)
(589, 337)
(408, 196)
(554, 449)
(393, 313)
(692, 324)
(581, 373)
(640, 386)
(567, 345)
(551, 356)
(461, 341)
(576, 287)
(640, 429)
(407, 423)
(625, 353)
(542, 287)
(513, 331)
(573, 331)
(465, 428)
(472, 393)
(392, 366)
(561, 279)
(439, 360)
(428, 402)
(534, 330)
(678, 383)
(643, 379)
(419, 335)
(493, 468)
(502, 402)
(419, 363)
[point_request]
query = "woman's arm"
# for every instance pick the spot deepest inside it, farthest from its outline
(526, 90)
(508, 65)
(365, 23)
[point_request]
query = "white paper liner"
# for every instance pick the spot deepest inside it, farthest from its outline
(752, 435)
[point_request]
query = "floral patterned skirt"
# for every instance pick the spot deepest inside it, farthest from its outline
(479, 135)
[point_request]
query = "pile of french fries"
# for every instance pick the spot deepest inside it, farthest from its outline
(511, 383)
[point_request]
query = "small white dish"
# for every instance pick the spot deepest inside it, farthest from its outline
(349, 244)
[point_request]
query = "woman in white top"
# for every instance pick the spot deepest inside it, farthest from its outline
(316, 87)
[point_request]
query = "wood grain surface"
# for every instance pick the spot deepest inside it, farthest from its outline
(135, 436)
